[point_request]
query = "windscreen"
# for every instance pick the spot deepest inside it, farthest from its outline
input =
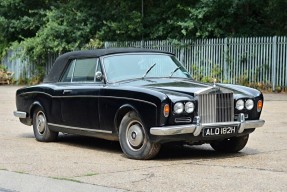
(133, 66)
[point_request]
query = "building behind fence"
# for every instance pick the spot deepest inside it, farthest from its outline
(231, 60)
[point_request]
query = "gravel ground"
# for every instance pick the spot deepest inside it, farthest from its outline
(91, 162)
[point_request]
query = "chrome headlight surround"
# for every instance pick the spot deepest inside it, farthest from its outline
(189, 107)
(249, 104)
(239, 104)
(178, 108)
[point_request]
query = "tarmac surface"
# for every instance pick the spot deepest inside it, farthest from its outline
(77, 163)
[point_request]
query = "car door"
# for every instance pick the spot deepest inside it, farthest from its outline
(79, 94)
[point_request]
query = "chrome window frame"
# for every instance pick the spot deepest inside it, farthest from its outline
(73, 63)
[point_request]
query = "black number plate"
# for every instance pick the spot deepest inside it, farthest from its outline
(217, 131)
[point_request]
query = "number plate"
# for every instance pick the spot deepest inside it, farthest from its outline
(217, 131)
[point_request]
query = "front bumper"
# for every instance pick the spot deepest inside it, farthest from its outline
(196, 129)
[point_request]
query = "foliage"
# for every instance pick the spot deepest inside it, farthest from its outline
(20, 19)
(216, 73)
(3, 68)
(221, 18)
(5, 76)
(94, 43)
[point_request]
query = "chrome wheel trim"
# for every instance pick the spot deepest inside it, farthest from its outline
(135, 135)
(41, 122)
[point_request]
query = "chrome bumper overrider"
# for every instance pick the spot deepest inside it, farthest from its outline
(195, 129)
(20, 114)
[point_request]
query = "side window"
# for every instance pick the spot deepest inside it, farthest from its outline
(80, 70)
(84, 70)
(69, 72)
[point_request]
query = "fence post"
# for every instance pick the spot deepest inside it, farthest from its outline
(274, 60)
(182, 52)
(225, 57)
(106, 44)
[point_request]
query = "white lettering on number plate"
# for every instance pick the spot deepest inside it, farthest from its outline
(219, 131)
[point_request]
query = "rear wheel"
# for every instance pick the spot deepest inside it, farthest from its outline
(230, 145)
(40, 127)
(134, 140)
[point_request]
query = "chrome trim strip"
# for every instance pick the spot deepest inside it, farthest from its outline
(74, 66)
(20, 114)
(182, 120)
(31, 92)
(96, 96)
(196, 128)
(80, 128)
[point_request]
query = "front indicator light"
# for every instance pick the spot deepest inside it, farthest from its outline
(249, 104)
(239, 104)
(166, 110)
(259, 105)
(189, 107)
(178, 108)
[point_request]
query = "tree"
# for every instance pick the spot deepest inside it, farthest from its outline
(20, 19)
(40, 27)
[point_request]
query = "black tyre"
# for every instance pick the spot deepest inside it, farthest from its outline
(40, 127)
(231, 145)
(134, 140)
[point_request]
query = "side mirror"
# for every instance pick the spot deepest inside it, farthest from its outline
(99, 76)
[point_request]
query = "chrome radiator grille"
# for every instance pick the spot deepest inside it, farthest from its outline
(216, 107)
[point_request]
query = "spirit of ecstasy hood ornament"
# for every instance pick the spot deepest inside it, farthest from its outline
(214, 82)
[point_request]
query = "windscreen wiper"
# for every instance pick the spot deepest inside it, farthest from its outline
(149, 69)
(175, 70)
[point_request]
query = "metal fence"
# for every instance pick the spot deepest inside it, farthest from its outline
(18, 66)
(231, 60)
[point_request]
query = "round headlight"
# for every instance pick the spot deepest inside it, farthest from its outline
(178, 108)
(239, 104)
(189, 107)
(249, 104)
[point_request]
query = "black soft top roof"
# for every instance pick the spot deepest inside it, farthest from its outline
(62, 60)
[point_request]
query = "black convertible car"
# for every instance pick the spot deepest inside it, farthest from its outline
(142, 98)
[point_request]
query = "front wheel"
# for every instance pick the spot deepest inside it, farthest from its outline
(40, 127)
(134, 140)
(230, 145)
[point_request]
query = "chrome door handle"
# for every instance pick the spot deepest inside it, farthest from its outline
(67, 91)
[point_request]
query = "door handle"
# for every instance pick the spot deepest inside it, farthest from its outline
(67, 91)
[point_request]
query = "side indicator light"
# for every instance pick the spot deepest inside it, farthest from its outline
(259, 105)
(166, 110)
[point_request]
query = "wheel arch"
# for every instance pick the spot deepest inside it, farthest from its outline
(34, 105)
(121, 112)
